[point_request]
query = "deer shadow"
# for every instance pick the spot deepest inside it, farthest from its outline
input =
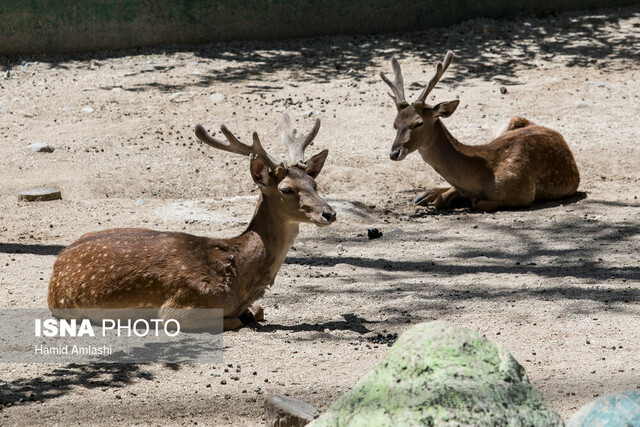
(463, 205)
(351, 323)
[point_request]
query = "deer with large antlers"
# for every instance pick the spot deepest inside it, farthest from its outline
(524, 163)
(140, 268)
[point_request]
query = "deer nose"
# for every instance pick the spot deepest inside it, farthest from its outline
(329, 215)
(395, 154)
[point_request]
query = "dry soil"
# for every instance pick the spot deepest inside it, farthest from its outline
(556, 284)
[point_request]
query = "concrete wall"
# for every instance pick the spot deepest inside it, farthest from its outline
(57, 26)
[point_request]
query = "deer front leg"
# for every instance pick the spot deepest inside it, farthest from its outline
(232, 323)
(430, 195)
(444, 200)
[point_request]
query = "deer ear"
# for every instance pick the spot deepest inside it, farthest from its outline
(259, 171)
(445, 109)
(315, 164)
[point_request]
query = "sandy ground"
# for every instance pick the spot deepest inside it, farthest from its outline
(556, 285)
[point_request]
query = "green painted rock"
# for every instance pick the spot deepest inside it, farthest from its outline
(612, 410)
(440, 374)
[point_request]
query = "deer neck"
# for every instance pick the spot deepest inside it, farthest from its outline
(453, 162)
(276, 233)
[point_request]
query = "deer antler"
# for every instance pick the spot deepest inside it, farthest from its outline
(233, 145)
(441, 67)
(295, 144)
(397, 85)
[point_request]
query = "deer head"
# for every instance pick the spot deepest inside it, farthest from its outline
(415, 122)
(289, 187)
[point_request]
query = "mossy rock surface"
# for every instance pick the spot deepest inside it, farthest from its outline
(440, 374)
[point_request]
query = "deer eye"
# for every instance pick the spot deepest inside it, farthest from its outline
(418, 125)
(286, 190)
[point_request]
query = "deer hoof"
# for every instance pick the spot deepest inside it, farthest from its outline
(257, 312)
(419, 200)
(427, 197)
(254, 313)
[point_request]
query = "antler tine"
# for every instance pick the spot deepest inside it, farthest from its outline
(295, 144)
(441, 67)
(397, 85)
(233, 145)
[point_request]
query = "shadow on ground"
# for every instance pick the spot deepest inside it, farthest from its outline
(61, 381)
(351, 322)
(36, 249)
(488, 49)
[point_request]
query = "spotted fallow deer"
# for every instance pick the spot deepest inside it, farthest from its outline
(524, 163)
(140, 268)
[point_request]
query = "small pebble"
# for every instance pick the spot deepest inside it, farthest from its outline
(217, 97)
(374, 233)
(41, 147)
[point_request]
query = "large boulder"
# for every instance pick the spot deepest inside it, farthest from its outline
(616, 409)
(441, 374)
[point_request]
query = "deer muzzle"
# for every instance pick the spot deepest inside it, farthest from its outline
(398, 154)
(326, 217)
(317, 210)
(329, 214)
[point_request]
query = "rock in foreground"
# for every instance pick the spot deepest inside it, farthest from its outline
(283, 411)
(617, 409)
(440, 374)
(40, 195)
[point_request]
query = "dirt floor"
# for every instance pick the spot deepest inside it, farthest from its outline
(557, 284)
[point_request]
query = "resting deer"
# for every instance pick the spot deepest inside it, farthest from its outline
(140, 268)
(524, 163)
